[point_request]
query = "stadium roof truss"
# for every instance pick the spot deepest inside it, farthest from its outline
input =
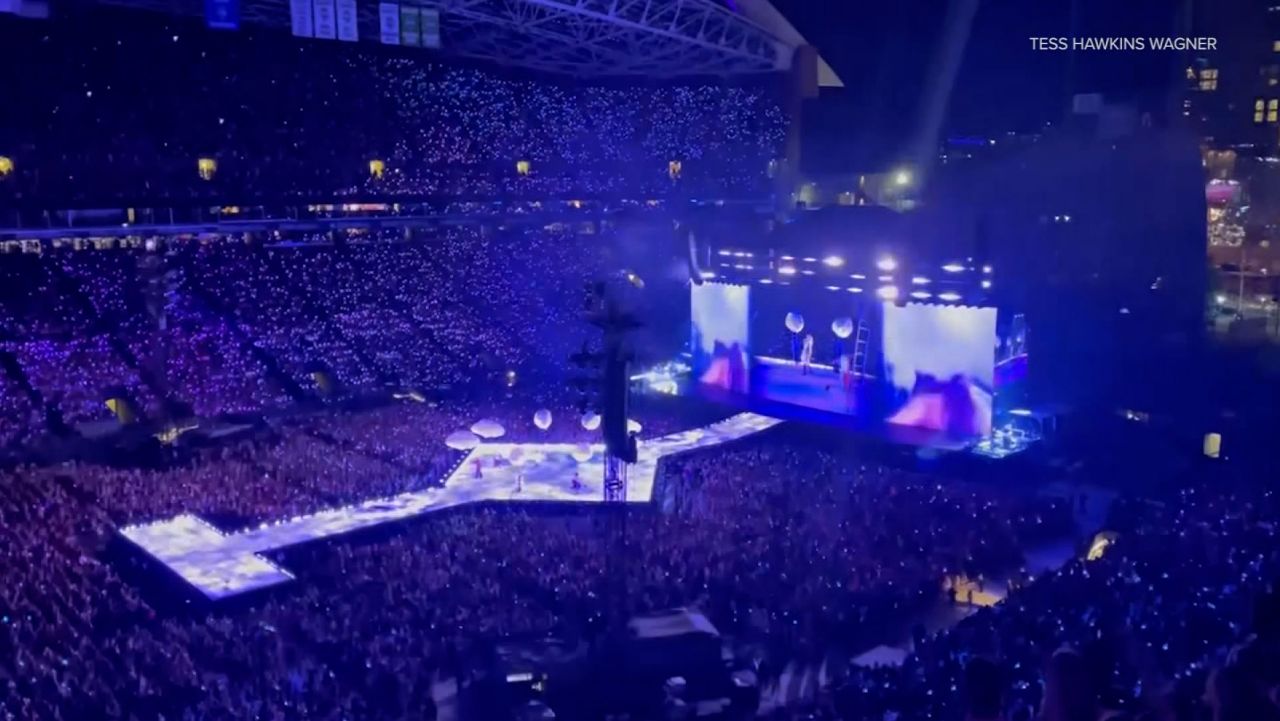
(636, 38)
(663, 38)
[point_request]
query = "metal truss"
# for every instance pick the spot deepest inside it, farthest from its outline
(654, 38)
(636, 38)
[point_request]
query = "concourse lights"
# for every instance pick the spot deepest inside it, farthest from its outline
(887, 264)
(888, 292)
(833, 261)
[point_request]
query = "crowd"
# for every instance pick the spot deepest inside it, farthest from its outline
(793, 548)
(223, 325)
(286, 119)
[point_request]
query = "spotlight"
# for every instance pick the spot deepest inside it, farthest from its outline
(887, 264)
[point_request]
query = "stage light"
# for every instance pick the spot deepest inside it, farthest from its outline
(788, 257)
(708, 275)
(921, 295)
(986, 284)
(986, 269)
(858, 276)
(953, 268)
(726, 252)
(766, 281)
(920, 280)
(887, 264)
(806, 271)
(885, 279)
(1221, 299)
(1020, 412)
(810, 260)
(949, 297)
(833, 287)
(833, 261)
(888, 292)
(854, 289)
(787, 270)
(902, 178)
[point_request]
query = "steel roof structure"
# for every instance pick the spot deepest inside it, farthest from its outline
(584, 38)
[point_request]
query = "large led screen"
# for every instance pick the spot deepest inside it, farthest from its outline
(837, 351)
(940, 363)
(721, 335)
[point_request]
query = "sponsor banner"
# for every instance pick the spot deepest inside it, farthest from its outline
(410, 26)
(389, 23)
(301, 18)
(326, 19)
(430, 28)
(348, 21)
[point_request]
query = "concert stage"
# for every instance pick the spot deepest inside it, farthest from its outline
(222, 565)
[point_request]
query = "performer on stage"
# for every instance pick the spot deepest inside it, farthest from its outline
(806, 354)
(478, 463)
(519, 481)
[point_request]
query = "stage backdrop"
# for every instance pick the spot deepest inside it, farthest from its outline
(848, 356)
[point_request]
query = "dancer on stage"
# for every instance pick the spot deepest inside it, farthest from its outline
(806, 354)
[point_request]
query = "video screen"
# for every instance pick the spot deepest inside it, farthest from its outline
(940, 362)
(916, 365)
(721, 335)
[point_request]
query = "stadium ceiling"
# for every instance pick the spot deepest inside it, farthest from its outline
(651, 38)
(585, 38)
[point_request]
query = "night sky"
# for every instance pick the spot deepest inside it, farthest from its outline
(883, 50)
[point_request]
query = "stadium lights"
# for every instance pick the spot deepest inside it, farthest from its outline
(920, 280)
(953, 268)
(885, 279)
(887, 264)
(902, 178)
(766, 281)
(708, 275)
(806, 271)
(986, 269)
(726, 252)
(787, 270)
(888, 292)
(949, 296)
(833, 261)
(854, 289)
(858, 276)
(922, 295)
(810, 259)
(833, 287)
(986, 284)
(788, 257)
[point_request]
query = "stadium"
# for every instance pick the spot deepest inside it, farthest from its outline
(535, 359)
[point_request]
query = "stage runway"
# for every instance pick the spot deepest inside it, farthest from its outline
(221, 565)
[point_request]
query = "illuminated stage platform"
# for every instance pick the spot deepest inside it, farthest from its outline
(221, 565)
